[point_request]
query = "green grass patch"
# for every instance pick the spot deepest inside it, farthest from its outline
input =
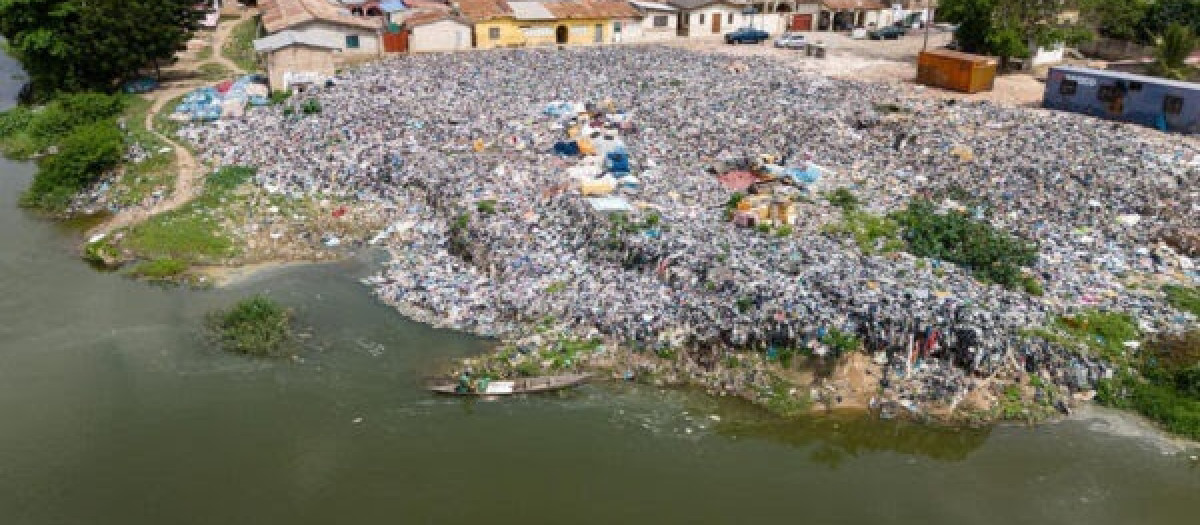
(841, 342)
(160, 268)
(165, 125)
(1186, 299)
(254, 326)
(193, 233)
(843, 198)
(239, 47)
(1103, 333)
(872, 233)
(213, 72)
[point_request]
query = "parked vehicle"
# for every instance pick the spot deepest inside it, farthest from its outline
(887, 33)
(747, 35)
(791, 41)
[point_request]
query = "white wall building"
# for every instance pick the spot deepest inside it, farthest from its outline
(658, 22)
(711, 18)
(437, 32)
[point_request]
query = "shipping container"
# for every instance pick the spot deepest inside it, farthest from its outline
(956, 71)
(1167, 105)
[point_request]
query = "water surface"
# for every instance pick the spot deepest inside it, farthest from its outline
(113, 410)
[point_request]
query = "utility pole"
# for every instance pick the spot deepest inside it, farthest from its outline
(928, 22)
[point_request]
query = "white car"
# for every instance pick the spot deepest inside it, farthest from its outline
(791, 41)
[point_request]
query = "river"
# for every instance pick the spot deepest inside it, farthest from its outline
(113, 410)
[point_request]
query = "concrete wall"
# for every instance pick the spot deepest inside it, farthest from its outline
(696, 28)
(513, 33)
(299, 61)
(368, 40)
(443, 35)
(647, 32)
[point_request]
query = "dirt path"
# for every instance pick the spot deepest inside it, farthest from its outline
(188, 181)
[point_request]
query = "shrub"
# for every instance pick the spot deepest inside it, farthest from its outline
(14, 121)
(84, 155)
(486, 207)
(733, 201)
(279, 97)
(311, 106)
(841, 342)
(992, 255)
(844, 199)
(254, 326)
(784, 231)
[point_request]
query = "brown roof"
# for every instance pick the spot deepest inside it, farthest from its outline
(278, 15)
(480, 10)
(428, 17)
(869, 5)
(591, 9)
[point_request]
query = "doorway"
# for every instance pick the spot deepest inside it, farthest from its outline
(560, 35)
(600, 33)
(716, 22)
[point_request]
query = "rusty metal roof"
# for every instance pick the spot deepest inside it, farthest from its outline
(480, 10)
(278, 15)
(592, 9)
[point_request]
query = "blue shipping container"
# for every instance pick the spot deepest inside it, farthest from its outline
(1167, 105)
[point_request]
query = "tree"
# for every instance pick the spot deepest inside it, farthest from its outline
(80, 45)
(1119, 19)
(1009, 28)
(1162, 13)
(1171, 50)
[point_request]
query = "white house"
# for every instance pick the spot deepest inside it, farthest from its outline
(658, 22)
(322, 21)
(709, 18)
(437, 31)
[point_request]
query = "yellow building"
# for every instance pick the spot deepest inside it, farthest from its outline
(520, 24)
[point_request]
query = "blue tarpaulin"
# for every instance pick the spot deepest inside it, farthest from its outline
(617, 162)
(391, 6)
(566, 148)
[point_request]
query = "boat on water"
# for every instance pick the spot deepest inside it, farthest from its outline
(506, 387)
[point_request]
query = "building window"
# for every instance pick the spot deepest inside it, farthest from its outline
(616, 26)
(729, 19)
(660, 21)
(1135, 86)
(352, 42)
(701, 19)
(1172, 105)
(493, 33)
(1068, 87)
(1107, 93)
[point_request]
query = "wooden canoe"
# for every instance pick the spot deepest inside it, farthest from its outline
(507, 387)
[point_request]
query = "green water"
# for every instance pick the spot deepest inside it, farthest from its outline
(113, 411)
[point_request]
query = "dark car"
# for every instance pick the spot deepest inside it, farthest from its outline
(887, 33)
(747, 35)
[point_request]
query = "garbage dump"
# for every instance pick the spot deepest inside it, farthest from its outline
(227, 99)
(509, 165)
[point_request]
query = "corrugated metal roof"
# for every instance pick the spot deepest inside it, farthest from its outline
(652, 6)
(278, 15)
(591, 9)
(530, 11)
(480, 10)
(283, 39)
(1121, 75)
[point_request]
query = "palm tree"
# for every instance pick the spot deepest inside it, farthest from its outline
(1171, 50)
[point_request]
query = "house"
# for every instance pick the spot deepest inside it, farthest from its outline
(307, 39)
(437, 31)
(298, 58)
(1167, 105)
(499, 23)
(655, 22)
(844, 15)
(710, 18)
(325, 21)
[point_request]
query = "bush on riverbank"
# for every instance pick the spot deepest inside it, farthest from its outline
(254, 326)
(79, 130)
(1164, 385)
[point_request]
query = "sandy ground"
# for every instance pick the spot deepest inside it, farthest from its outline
(891, 61)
